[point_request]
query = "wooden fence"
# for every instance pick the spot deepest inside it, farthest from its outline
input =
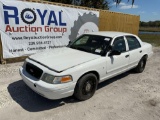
(112, 21)
(108, 21)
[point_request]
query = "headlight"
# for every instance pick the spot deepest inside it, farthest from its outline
(63, 79)
(56, 80)
(48, 78)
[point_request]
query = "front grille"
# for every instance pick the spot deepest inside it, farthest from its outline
(34, 70)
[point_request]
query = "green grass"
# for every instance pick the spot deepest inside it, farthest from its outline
(150, 29)
(151, 38)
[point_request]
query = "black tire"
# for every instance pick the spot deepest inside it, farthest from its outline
(86, 87)
(141, 65)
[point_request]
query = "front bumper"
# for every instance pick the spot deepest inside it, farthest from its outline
(50, 91)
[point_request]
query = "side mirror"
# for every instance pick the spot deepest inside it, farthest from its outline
(114, 52)
(110, 47)
(104, 53)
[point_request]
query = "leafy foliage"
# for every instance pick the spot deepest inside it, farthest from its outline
(119, 1)
(150, 24)
(99, 4)
(62, 1)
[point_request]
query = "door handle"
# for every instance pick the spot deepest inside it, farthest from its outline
(127, 56)
(140, 51)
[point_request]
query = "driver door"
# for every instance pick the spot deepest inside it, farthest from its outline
(117, 64)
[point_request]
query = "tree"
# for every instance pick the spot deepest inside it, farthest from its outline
(99, 4)
(150, 24)
(119, 1)
(62, 1)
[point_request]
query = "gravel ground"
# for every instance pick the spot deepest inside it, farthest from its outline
(126, 97)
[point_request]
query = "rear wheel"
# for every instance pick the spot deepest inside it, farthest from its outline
(86, 87)
(141, 65)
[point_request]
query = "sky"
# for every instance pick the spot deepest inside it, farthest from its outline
(149, 10)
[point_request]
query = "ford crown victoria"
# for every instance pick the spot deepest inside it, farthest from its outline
(78, 68)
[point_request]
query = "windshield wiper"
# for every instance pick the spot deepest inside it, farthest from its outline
(73, 47)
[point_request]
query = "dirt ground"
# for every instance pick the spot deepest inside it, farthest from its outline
(129, 96)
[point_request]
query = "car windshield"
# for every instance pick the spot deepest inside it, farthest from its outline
(91, 43)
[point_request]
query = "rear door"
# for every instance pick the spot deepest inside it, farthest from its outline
(135, 50)
(118, 63)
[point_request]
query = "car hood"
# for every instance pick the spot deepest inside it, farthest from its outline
(64, 58)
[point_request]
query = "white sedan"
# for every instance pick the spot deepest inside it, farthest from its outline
(78, 68)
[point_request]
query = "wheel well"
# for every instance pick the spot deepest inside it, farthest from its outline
(94, 72)
(145, 56)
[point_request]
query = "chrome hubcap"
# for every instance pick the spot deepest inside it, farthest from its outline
(142, 64)
(88, 87)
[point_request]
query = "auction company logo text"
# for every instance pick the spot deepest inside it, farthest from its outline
(29, 17)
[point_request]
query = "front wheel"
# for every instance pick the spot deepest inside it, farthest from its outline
(141, 65)
(86, 87)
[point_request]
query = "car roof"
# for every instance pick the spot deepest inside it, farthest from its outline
(109, 33)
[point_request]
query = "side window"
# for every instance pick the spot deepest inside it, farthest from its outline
(119, 44)
(133, 43)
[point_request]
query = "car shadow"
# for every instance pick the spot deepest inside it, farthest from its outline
(119, 77)
(32, 102)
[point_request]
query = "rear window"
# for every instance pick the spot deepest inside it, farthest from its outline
(133, 43)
